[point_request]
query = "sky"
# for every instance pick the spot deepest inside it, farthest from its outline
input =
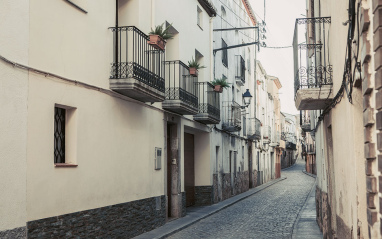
(280, 17)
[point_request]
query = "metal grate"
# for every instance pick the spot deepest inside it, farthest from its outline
(59, 135)
(312, 66)
(134, 58)
(209, 100)
(180, 85)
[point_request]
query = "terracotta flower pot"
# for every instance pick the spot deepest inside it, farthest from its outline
(157, 42)
(193, 71)
(258, 82)
(218, 88)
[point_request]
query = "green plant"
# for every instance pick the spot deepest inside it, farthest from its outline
(162, 32)
(195, 64)
(221, 81)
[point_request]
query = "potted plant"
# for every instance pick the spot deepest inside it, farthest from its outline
(219, 84)
(159, 35)
(194, 66)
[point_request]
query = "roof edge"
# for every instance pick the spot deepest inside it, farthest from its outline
(250, 11)
(208, 7)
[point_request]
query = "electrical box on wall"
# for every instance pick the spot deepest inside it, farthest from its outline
(158, 158)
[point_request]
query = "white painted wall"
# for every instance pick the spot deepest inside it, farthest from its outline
(14, 45)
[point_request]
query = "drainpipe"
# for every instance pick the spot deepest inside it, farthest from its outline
(152, 14)
(116, 38)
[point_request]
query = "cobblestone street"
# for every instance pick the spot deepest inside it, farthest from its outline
(270, 213)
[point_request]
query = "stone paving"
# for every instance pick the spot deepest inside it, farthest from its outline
(270, 213)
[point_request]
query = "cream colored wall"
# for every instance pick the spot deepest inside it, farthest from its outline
(116, 140)
(14, 35)
(71, 43)
(347, 126)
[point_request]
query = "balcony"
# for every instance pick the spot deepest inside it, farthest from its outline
(310, 149)
(181, 89)
(254, 129)
(305, 120)
(276, 138)
(240, 70)
(209, 104)
(232, 116)
(267, 132)
(290, 145)
(137, 68)
(313, 71)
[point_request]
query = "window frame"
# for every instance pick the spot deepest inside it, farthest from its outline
(69, 138)
(199, 17)
(224, 54)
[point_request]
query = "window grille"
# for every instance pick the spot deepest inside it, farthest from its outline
(59, 135)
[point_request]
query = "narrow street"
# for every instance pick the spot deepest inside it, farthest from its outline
(270, 213)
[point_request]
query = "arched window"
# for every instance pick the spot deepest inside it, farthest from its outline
(223, 12)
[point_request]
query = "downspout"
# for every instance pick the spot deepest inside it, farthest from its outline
(152, 14)
(116, 38)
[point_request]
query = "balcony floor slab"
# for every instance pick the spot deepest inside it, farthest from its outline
(206, 118)
(180, 107)
(137, 90)
(313, 98)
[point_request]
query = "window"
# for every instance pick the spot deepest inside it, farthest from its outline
(242, 152)
(65, 136)
(59, 135)
(224, 54)
(199, 17)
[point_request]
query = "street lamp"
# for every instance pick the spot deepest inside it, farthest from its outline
(247, 98)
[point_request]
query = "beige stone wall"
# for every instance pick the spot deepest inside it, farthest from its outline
(14, 35)
(115, 142)
(336, 134)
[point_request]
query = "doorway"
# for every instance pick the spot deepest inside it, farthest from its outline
(189, 169)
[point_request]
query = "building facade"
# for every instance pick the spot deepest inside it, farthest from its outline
(342, 97)
(107, 134)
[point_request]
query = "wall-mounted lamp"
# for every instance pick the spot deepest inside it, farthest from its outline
(247, 99)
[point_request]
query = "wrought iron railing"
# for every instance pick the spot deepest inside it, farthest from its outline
(209, 100)
(291, 145)
(283, 135)
(267, 132)
(290, 137)
(134, 58)
(311, 63)
(254, 129)
(232, 116)
(277, 136)
(310, 148)
(240, 69)
(180, 85)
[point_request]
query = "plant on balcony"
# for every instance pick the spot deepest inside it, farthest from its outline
(220, 83)
(159, 35)
(194, 66)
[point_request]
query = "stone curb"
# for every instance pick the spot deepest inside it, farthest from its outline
(309, 174)
(299, 213)
(177, 225)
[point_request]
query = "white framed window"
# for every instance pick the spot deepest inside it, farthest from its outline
(199, 17)
(65, 136)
